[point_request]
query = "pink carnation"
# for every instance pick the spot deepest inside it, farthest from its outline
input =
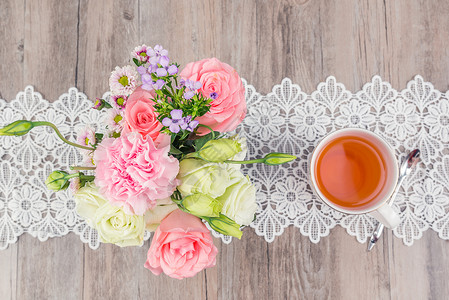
(221, 83)
(131, 172)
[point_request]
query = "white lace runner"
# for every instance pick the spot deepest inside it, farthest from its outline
(285, 120)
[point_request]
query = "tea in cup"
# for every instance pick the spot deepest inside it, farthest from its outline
(355, 171)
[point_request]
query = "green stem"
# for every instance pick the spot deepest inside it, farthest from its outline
(87, 177)
(44, 123)
(78, 168)
(253, 161)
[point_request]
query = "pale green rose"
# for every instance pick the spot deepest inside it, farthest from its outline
(112, 224)
(239, 200)
(202, 205)
(220, 150)
(199, 176)
(116, 227)
(163, 208)
(88, 199)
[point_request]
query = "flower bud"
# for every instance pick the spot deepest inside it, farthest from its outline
(274, 158)
(100, 104)
(224, 225)
(57, 181)
(202, 205)
(17, 128)
(220, 150)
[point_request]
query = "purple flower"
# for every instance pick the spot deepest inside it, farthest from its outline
(158, 84)
(160, 51)
(161, 72)
(147, 82)
(189, 124)
(213, 95)
(172, 70)
(188, 95)
(158, 55)
(141, 70)
(164, 61)
(193, 125)
(193, 85)
(176, 122)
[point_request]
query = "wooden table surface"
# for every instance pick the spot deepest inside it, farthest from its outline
(55, 45)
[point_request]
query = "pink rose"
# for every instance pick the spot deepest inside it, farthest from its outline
(229, 107)
(131, 172)
(181, 247)
(141, 117)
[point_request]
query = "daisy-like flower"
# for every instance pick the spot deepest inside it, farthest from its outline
(119, 101)
(123, 81)
(140, 53)
(114, 120)
(86, 136)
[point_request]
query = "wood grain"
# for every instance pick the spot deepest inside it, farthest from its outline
(54, 45)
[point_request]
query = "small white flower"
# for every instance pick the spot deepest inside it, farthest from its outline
(355, 114)
(114, 120)
(438, 120)
(140, 53)
(86, 136)
(429, 200)
(123, 81)
(310, 120)
(400, 119)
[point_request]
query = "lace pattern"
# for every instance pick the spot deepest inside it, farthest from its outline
(285, 120)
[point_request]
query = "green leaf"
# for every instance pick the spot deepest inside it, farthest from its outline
(136, 62)
(199, 143)
(98, 137)
(174, 151)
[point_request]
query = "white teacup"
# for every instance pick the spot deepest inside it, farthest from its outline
(377, 206)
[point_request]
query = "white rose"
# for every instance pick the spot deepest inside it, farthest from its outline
(198, 176)
(88, 199)
(239, 200)
(116, 227)
(111, 222)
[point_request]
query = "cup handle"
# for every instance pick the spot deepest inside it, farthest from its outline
(387, 216)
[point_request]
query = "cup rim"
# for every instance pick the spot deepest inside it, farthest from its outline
(330, 203)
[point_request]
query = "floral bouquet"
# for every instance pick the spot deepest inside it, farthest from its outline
(162, 162)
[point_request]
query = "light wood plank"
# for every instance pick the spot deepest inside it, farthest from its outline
(8, 267)
(11, 81)
(54, 269)
(12, 50)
